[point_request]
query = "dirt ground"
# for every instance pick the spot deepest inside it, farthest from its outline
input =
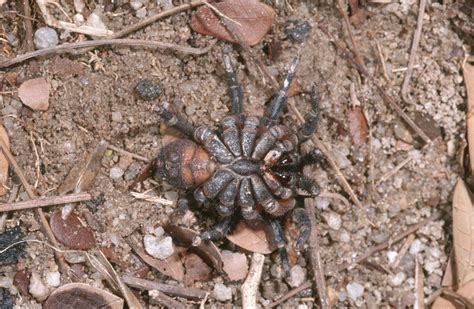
(92, 99)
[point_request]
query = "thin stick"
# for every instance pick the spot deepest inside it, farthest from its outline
(164, 300)
(315, 256)
(414, 47)
(388, 242)
(385, 96)
(173, 290)
(28, 26)
(147, 21)
(39, 212)
(291, 293)
(419, 286)
(46, 201)
(403, 250)
(13, 194)
(394, 170)
(325, 150)
(71, 48)
(127, 153)
(382, 61)
(250, 287)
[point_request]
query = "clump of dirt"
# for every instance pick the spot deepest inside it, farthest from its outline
(92, 99)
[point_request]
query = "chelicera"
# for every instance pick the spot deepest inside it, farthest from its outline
(251, 169)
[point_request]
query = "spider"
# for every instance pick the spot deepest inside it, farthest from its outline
(250, 169)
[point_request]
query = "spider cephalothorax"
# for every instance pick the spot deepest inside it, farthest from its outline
(251, 168)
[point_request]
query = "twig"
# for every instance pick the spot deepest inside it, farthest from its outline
(382, 61)
(325, 150)
(250, 287)
(419, 286)
(28, 26)
(173, 290)
(403, 250)
(71, 48)
(385, 96)
(46, 201)
(347, 24)
(164, 300)
(315, 256)
(13, 194)
(147, 21)
(394, 170)
(414, 47)
(39, 212)
(291, 293)
(127, 153)
(388, 242)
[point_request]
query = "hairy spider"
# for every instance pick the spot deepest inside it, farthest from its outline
(251, 169)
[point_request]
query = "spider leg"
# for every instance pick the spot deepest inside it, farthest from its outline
(279, 99)
(277, 236)
(235, 88)
(307, 187)
(213, 144)
(249, 134)
(175, 120)
(246, 201)
(265, 198)
(230, 135)
(302, 222)
(314, 156)
(218, 231)
(275, 186)
(216, 184)
(227, 198)
(311, 118)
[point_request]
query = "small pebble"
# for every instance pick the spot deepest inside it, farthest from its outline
(6, 282)
(148, 89)
(332, 219)
(9, 110)
(345, 236)
(355, 290)
(391, 256)
(166, 4)
(416, 247)
(94, 21)
(160, 248)
(78, 19)
(37, 288)
(322, 203)
(297, 276)
(53, 279)
(116, 172)
(141, 13)
(340, 158)
(397, 279)
(136, 5)
(45, 37)
(297, 30)
(12, 39)
(221, 292)
(117, 117)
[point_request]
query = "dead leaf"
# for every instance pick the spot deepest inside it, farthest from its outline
(358, 127)
(196, 269)
(11, 78)
(81, 295)
(34, 93)
(294, 88)
(253, 239)
(235, 265)
(71, 232)
(82, 175)
(468, 71)
(463, 232)
(4, 162)
(171, 266)
(21, 281)
(459, 300)
(206, 250)
(251, 18)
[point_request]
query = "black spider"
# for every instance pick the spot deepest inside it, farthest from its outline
(252, 168)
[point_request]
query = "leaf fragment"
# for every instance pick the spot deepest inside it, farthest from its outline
(71, 231)
(4, 162)
(34, 93)
(358, 127)
(253, 238)
(251, 18)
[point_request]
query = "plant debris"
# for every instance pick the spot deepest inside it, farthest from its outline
(72, 231)
(4, 162)
(34, 93)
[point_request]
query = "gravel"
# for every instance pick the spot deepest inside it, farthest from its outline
(221, 292)
(53, 279)
(354, 290)
(45, 37)
(37, 288)
(160, 248)
(116, 172)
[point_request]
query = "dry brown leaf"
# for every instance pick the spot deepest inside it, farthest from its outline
(4, 162)
(463, 232)
(251, 18)
(82, 175)
(468, 71)
(72, 231)
(452, 301)
(81, 295)
(235, 265)
(206, 250)
(253, 239)
(196, 269)
(170, 266)
(358, 127)
(34, 93)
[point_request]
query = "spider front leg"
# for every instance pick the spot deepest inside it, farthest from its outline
(303, 224)
(235, 88)
(278, 238)
(279, 100)
(311, 118)
(307, 187)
